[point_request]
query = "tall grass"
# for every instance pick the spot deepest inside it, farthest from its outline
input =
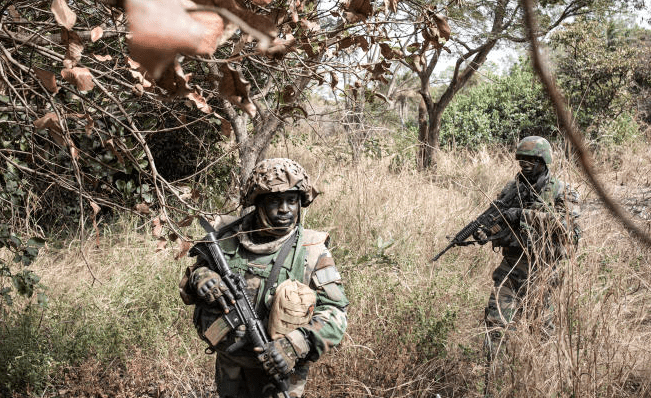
(415, 327)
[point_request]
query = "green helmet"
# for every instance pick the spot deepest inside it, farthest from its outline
(535, 146)
(278, 175)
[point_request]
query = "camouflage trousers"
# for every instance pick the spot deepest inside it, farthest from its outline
(513, 280)
(242, 377)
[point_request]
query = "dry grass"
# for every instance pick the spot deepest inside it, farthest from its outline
(416, 328)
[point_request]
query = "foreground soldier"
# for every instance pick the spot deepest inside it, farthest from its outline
(543, 231)
(291, 280)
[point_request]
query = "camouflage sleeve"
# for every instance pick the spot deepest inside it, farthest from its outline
(561, 219)
(328, 325)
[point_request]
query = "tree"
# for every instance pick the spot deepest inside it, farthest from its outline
(468, 33)
(601, 67)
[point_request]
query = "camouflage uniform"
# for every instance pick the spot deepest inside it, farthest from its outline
(309, 261)
(546, 233)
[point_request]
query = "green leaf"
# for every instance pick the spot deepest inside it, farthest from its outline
(36, 241)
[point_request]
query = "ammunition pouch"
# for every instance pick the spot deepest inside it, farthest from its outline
(210, 324)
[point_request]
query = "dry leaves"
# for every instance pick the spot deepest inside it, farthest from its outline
(48, 80)
(79, 77)
(235, 89)
(96, 209)
(51, 122)
(184, 247)
(160, 30)
(357, 10)
(437, 33)
(74, 48)
(96, 33)
(63, 14)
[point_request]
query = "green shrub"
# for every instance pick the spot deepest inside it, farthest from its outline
(499, 111)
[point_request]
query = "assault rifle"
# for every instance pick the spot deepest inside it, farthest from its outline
(241, 311)
(492, 219)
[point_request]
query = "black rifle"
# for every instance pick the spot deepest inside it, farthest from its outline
(492, 220)
(242, 311)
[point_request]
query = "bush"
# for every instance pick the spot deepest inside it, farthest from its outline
(499, 112)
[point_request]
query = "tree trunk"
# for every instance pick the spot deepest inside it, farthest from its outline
(424, 156)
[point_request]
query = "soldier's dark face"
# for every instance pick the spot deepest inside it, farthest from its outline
(281, 208)
(531, 167)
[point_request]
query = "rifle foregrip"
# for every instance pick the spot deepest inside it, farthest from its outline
(466, 232)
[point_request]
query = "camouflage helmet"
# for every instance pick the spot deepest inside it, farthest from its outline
(535, 146)
(278, 175)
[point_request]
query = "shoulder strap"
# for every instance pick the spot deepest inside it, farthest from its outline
(275, 269)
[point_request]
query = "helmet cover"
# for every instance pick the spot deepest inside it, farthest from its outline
(278, 175)
(535, 146)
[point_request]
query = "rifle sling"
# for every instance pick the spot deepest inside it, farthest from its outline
(275, 271)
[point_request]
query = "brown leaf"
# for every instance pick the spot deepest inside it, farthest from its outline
(109, 143)
(261, 23)
(175, 81)
(157, 230)
(334, 80)
(13, 13)
(162, 242)
(184, 247)
(63, 14)
(200, 102)
(438, 33)
(95, 207)
(391, 6)
(74, 152)
(390, 53)
(345, 43)
(51, 122)
(214, 30)
(96, 33)
(310, 26)
(186, 221)
(442, 24)
(292, 110)
(280, 47)
(74, 48)
(160, 30)
(227, 129)
(239, 46)
(235, 89)
(288, 94)
(79, 77)
(357, 10)
(48, 80)
(142, 208)
(96, 210)
(88, 128)
(102, 58)
(362, 42)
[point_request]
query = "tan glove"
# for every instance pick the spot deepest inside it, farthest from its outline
(210, 288)
(278, 356)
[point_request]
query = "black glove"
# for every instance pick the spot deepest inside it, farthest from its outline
(512, 215)
(278, 357)
(210, 287)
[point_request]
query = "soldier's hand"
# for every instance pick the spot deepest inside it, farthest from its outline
(210, 288)
(480, 236)
(278, 357)
(512, 215)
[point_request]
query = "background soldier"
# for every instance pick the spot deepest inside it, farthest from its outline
(291, 279)
(543, 231)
